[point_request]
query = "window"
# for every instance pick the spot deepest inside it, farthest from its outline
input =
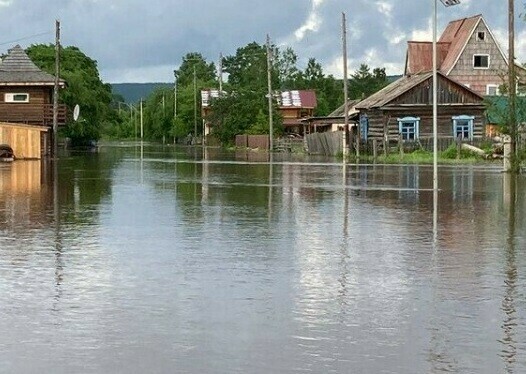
(481, 36)
(408, 128)
(463, 127)
(364, 127)
(16, 98)
(492, 90)
(481, 61)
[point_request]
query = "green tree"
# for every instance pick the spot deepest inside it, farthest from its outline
(364, 83)
(84, 87)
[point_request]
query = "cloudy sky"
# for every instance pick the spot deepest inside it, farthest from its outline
(143, 41)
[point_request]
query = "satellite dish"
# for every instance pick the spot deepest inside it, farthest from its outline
(76, 112)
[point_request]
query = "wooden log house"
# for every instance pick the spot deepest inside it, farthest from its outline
(26, 105)
(405, 109)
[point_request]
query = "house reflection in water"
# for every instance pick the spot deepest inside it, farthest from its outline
(23, 192)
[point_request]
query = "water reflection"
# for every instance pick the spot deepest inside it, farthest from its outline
(193, 258)
(510, 322)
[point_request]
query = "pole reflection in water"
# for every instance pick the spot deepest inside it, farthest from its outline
(59, 265)
(205, 171)
(270, 184)
(509, 324)
(344, 246)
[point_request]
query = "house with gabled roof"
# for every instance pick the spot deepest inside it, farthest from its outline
(467, 52)
(404, 109)
(294, 106)
(26, 105)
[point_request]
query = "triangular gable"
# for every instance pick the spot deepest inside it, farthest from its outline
(17, 68)
(396, 90)
(459, 33)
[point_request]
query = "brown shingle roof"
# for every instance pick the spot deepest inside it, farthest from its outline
(17, 68)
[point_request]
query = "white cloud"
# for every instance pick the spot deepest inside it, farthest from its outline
(385, 8)
(312, 23)
(5, 3)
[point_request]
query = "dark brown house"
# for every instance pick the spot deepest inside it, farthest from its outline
(26, 101)
(405, 108)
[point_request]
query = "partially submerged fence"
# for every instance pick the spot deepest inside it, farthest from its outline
(253, 141)
(325, 143)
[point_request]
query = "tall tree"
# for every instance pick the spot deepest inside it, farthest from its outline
(84, 87)
(364, 83)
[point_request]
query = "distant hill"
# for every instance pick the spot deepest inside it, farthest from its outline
(392, 78)
(133, 92)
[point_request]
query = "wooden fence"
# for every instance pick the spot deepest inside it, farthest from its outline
(325, 143)
(253, 141)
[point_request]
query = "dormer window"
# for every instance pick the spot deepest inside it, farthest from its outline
(481, 61)
(481, 36)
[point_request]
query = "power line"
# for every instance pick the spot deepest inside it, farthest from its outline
(27, 37)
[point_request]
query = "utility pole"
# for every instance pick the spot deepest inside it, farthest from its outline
(56, 88)
(195, 105)
(345, 94)
(175, 94)
(220, 74)
(269, 81)
(512, 87)
(142, 124)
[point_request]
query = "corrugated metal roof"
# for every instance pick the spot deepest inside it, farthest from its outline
(207, 96)
(449, 47)
(298, 99)
(17, 67)
(420, 56)
(457, 34)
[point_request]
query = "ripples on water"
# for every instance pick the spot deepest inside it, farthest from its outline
(174, 264)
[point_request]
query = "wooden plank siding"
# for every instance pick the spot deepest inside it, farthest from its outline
(382, 123)
(38, 111)
(26, 141)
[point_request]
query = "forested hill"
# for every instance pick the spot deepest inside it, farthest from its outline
(133, 92)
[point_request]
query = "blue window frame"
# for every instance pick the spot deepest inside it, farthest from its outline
(364, 127)
(463, 127)
(408, 127)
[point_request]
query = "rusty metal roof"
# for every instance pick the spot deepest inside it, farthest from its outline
(449, 47)
(457, 34)
(420, 56)
(17, 68)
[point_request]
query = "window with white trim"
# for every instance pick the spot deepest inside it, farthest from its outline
(481, 61)
(16, 98)
(492, 90)
(408, 127)
(463, 127)
(481, 36)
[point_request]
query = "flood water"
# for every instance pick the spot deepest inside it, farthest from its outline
(182, 260)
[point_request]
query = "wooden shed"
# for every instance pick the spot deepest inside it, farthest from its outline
(26, 140)
(405, 108)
